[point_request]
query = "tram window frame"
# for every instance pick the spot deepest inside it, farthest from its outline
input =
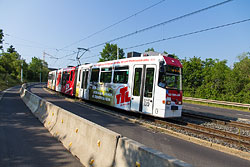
(137, 82)
(95, 75)
(83, 75)
(121, 71)
(148, 92)
(86, 79)
(71, 75)
(49, 77)
(80, 73)
(65, 77)
(106, 75)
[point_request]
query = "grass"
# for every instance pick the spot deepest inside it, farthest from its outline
(217, 105)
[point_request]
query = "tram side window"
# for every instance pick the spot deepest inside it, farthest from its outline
(52, 76)
(83, 74)
(49, 77)
(65, 78)
(95, 75)
(149, 82)
(71, 75)
(137, 82)
(86, 78)
(79, 79)
(121, 76)
(106, 74)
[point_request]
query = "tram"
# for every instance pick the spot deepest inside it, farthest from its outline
(52, 79)
(150, 83)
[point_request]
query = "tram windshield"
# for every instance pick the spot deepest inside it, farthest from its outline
(170, 78)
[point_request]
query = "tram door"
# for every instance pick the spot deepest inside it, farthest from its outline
(83, 84)
(148, 92)
(136, 97)
(143, 87)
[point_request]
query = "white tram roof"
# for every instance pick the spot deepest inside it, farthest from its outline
(146, 58)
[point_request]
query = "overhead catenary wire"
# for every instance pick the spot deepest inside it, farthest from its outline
(114, 24)
(190, 33)
(26, 40)
(37, 45)
(74, 52)
(163, 23)
(182, 35)
(53, 57)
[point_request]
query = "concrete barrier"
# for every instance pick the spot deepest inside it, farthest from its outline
(33, 103)
(25, 96)
(41, 113)
(92, 144)
(132, 153)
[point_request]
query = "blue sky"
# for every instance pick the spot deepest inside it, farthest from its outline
(34, 26)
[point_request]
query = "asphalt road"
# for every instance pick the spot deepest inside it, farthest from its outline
(183, 150)
(23, 139)
(233, 114)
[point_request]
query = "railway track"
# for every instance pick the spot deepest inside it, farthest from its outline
(240, 125)
(214, 135)
(180, 125)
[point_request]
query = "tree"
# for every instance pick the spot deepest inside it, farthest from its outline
(238, 83)
(1, 39)
(9, 64)
(11, 49)
(110, 53)
(215, 74)
(37, 67)
(192, 75)
(149, 49)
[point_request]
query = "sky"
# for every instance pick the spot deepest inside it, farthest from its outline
(59, 27)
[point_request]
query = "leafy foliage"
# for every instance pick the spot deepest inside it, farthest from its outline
(36, 67)
(192, 75)
(11, 64)
(11, 49)
(213, 79)
(1, 39)
(110, 53)
(149, 49)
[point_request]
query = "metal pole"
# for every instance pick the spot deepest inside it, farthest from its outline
(22, 71)
(41, 75)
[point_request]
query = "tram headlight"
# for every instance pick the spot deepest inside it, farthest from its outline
(179, 103)
(168, 102)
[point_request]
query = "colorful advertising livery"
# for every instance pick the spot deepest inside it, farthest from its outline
(150, 84)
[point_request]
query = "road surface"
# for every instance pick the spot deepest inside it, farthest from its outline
(24, 141)
(191, 153)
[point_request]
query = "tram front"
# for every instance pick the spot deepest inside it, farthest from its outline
(170, 79)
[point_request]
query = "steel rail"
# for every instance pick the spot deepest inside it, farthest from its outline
(208, 132)
(220, 121)
(180, 125)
